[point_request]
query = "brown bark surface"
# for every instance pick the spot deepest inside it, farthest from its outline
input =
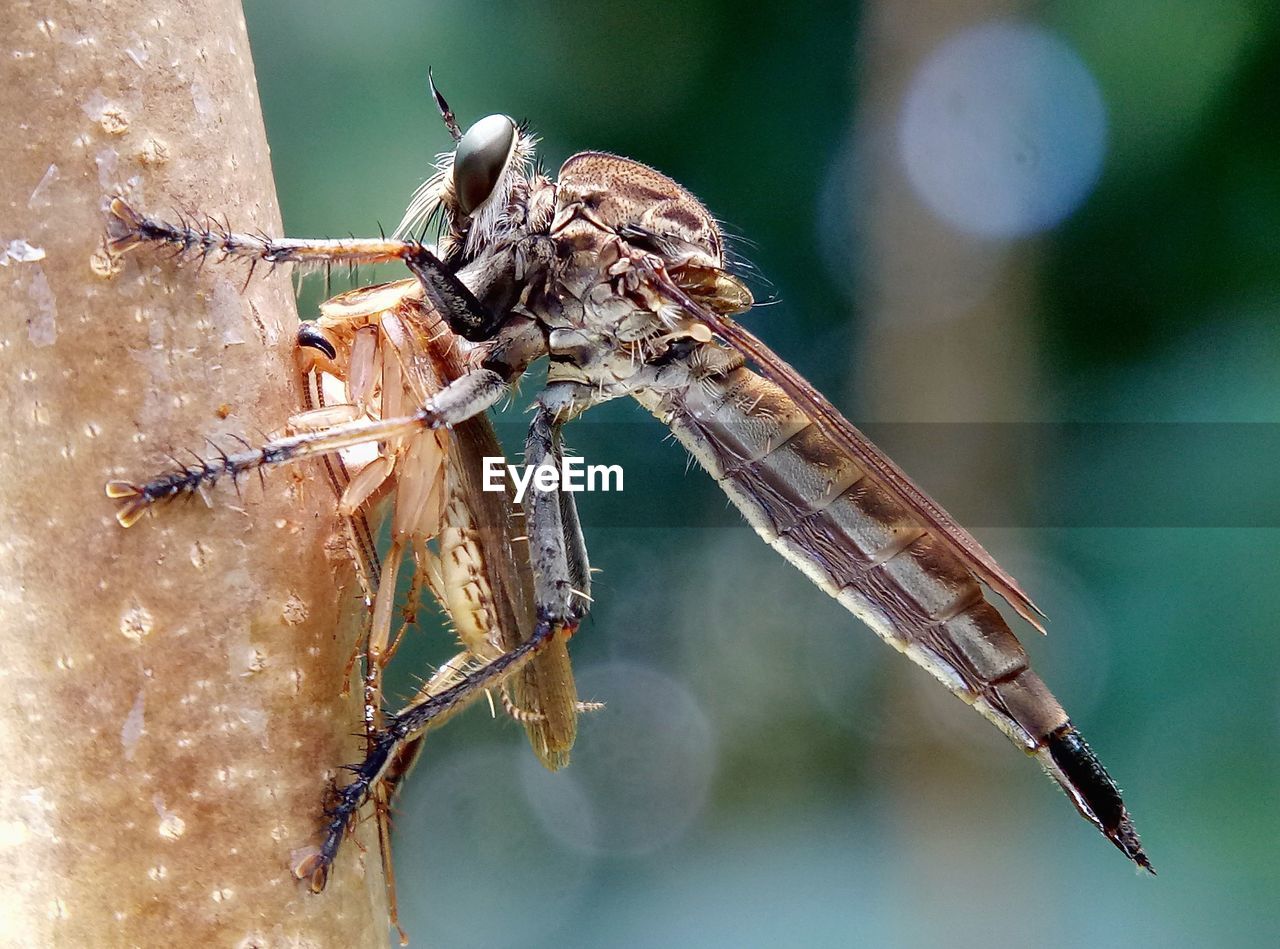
(169, 694)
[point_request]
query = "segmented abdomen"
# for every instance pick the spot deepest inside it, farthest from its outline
(826, 514)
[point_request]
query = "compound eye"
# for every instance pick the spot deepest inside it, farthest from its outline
(480, 160)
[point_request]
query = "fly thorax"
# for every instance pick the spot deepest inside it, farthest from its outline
(602, 362)
(636, 326)
(583, 254)
(573, 345)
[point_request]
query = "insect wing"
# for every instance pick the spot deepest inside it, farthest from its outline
(836, 427)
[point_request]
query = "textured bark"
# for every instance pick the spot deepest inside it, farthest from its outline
(169, 694)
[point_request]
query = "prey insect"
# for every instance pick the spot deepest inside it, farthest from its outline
(616, 275)
(389, 352)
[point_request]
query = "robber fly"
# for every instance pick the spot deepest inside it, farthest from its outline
(616, 274)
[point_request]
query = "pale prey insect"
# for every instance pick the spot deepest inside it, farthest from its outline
(390, 352)
(617, 275)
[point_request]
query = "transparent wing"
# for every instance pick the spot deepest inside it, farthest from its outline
(843, 433)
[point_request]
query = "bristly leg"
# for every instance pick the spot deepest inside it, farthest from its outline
(127, 229)
(405, 727)
(466, 396)
(184, 481)
(466, 316)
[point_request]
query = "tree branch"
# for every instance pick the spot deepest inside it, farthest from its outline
(169, 707)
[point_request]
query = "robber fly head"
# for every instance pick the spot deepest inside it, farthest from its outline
(474, 186)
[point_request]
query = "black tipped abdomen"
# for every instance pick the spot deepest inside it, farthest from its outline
(1089, 779)
(1073, 755)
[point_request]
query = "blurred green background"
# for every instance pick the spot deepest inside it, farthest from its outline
(1070, 216)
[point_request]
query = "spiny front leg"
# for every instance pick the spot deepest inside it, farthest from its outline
(128, 228)
(463, 398)
(466, 316)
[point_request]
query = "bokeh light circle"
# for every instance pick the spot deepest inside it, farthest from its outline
(642, 765)
(1003, 131)
(473, 866)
